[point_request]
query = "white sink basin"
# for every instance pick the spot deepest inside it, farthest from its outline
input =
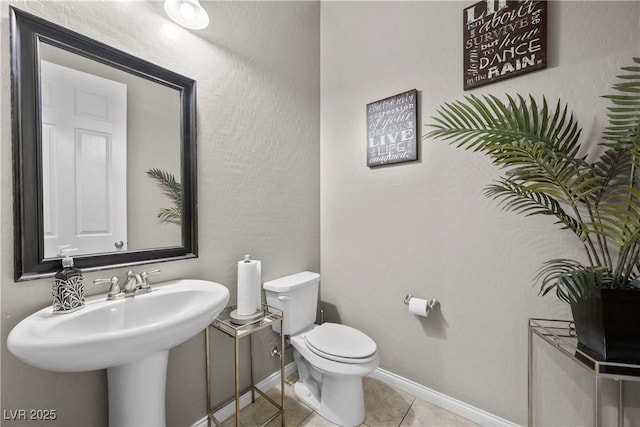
(131, 337)
(112, 333)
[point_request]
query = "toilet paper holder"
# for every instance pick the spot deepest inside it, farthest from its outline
(432, 303)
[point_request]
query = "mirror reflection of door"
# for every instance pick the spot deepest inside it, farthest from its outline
(84, 137)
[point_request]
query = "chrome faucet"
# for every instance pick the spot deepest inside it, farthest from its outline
(133, 284)
(115, 291)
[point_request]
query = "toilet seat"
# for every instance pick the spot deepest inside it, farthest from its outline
(340, 343)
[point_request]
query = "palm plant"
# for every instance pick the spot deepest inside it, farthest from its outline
(172, 189)
(545, 173)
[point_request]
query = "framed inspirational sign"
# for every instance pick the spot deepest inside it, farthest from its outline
(392, 128)
(503, 39)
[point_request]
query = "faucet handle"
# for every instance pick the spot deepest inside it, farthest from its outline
(115, 291)
(145, 278)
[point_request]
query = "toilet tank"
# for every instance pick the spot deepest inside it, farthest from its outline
(297, 296)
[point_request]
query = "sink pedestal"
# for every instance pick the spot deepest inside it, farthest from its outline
(137, 392)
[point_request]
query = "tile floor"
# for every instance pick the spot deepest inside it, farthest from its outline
(385, 406)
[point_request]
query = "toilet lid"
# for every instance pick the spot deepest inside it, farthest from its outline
(340, 342)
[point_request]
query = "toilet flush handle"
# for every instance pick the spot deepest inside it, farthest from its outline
(283, 297)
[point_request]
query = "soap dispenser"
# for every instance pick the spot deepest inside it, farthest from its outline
(67, 286)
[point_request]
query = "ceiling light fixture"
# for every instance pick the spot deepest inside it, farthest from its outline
(188, 13)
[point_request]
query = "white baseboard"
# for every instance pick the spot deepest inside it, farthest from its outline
(442, 400)
(418, 390)
(266, 384)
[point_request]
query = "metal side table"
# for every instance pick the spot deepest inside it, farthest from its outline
(561, 334)
(237, 332)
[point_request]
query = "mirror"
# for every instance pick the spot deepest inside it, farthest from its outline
(104, 153)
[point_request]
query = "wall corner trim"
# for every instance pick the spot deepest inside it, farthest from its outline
(418, 390)
(458, 407)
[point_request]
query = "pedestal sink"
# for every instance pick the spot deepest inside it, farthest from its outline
(129, 337)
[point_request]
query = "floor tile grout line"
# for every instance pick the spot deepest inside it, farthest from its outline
(305, 418)
(407, 412)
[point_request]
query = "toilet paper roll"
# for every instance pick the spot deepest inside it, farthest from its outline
(419, 307)
(249, 284)
(259, 287)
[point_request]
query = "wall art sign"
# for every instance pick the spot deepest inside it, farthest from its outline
(392, 129)
(503, 39)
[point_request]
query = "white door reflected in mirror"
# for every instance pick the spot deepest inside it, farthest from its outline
(84, 149)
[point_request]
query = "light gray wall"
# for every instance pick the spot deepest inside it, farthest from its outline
(425, 228)
(257, 70)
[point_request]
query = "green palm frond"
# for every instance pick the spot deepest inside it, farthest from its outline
(172, 189)
(614, 167)
(492, 126)
(570, 280)
(624, 113)
(620, 221)
(172, 215)
(537, 146)
(515, 197)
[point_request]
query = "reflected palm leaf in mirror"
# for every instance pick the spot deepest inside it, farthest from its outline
(153, 95)
(173, 190)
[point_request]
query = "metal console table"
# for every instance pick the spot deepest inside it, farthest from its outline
(561, 334)
(237, 332)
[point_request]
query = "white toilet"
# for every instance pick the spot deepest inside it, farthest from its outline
(331, 358)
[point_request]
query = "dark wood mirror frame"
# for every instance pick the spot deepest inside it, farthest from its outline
(26, 31)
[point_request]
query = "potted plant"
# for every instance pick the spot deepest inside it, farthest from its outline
(595, 197)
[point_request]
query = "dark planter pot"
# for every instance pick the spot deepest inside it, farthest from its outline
(608, 324)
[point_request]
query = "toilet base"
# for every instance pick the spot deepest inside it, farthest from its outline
(341, 399)
(332, 389)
